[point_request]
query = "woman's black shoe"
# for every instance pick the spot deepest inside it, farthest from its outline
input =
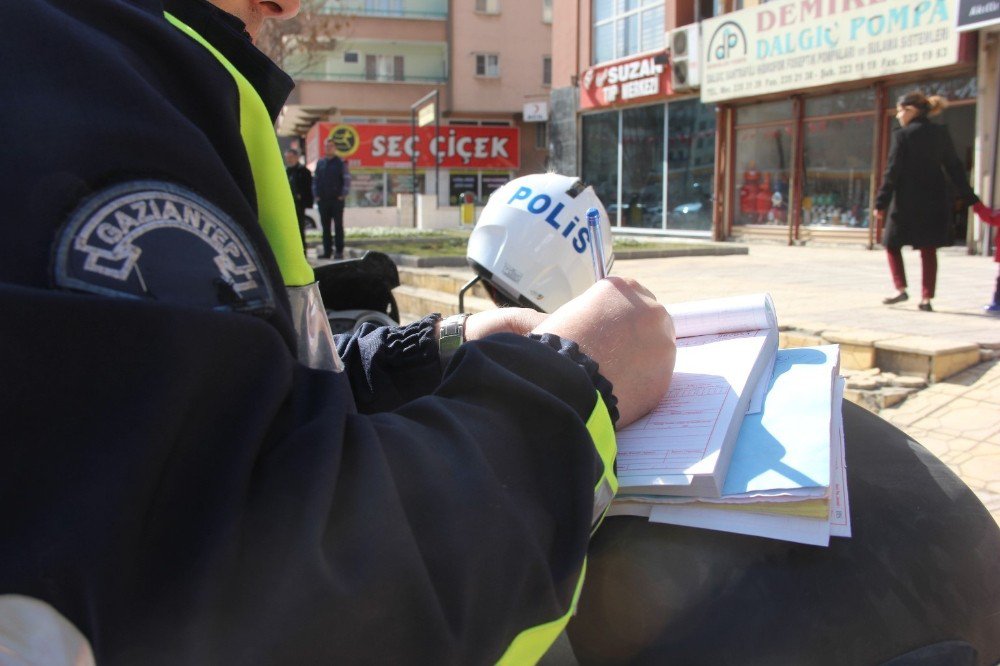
(926, 307)
(898, 298)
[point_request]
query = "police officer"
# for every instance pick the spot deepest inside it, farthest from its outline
(186, 478)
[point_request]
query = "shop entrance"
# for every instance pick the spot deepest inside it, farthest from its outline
(961, 123)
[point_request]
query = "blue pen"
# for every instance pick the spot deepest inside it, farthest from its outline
(596, 243)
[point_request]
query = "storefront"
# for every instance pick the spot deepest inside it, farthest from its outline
(982, 18)
(470, 158)
(648, 152)
(806, 92)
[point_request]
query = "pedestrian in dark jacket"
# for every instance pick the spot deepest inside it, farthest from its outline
(331, 184)
(300, 181)
(915, 192)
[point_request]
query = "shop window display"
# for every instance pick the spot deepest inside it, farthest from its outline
(491, 183)
(367, 189)
(481, 183)
(763, 164)
(838, 170)
(460, 182)
(401, 182)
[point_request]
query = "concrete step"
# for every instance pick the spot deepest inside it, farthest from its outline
(445, 280)
(424, 290)
(932, 359)
(416, 302)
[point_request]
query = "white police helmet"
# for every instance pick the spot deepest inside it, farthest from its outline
(531, 244)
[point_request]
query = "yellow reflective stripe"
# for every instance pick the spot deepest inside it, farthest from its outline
(602, 431)
(275, 205)
(531, 644)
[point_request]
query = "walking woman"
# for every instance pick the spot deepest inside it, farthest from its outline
(922, 157)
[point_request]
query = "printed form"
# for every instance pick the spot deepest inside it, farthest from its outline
(685, 433)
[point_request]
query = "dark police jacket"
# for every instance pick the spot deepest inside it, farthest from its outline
(914, 187)
(172, 480)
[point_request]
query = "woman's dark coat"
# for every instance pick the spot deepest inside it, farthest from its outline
(921, 160)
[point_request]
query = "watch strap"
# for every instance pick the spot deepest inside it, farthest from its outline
(451, 335)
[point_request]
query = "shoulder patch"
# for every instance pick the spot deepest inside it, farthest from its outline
(157, 240)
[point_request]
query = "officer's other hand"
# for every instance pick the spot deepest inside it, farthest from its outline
(619, 324)
(519, 321)
(879, 216)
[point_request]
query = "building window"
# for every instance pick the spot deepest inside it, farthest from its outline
(488, 6)
(541, 136)
(351, 56)
(546, 70)
(666, 180)
(487, 64)
(546, 11)
(625, 27)
(384, 7)
(383, 68)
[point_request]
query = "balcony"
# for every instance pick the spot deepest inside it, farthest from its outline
(434, 10)
(342, 77)
(374, 61)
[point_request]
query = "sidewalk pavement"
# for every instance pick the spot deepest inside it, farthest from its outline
(842, 287)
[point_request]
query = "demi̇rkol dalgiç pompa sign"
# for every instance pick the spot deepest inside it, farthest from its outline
(796, 44)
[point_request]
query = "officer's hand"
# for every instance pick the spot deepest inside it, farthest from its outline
(879, 216)
(502, 320)
(619, 324)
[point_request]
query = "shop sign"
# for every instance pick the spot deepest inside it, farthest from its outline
(795, 44)
(536, 112)
(638, 79)
(389, 146)
(975, 14)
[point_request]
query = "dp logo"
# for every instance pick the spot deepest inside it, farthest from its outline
(728, 41)
(345, 139)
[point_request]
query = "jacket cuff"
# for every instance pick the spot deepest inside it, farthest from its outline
(571, 350)
(390, 365)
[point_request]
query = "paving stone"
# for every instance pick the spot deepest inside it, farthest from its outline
(796, 338)
(862, 383)
(893, 396)
(905, 381)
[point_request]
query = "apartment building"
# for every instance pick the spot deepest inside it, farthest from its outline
(481, 68)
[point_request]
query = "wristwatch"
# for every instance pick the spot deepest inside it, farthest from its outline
(451, 335)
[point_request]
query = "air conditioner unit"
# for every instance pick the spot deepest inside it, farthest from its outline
(685, 57)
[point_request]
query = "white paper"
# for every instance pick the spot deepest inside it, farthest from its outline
(811, 375)
(691, 431)
(811, 531)
(840, 507)
(757, 397)
(723, 315)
